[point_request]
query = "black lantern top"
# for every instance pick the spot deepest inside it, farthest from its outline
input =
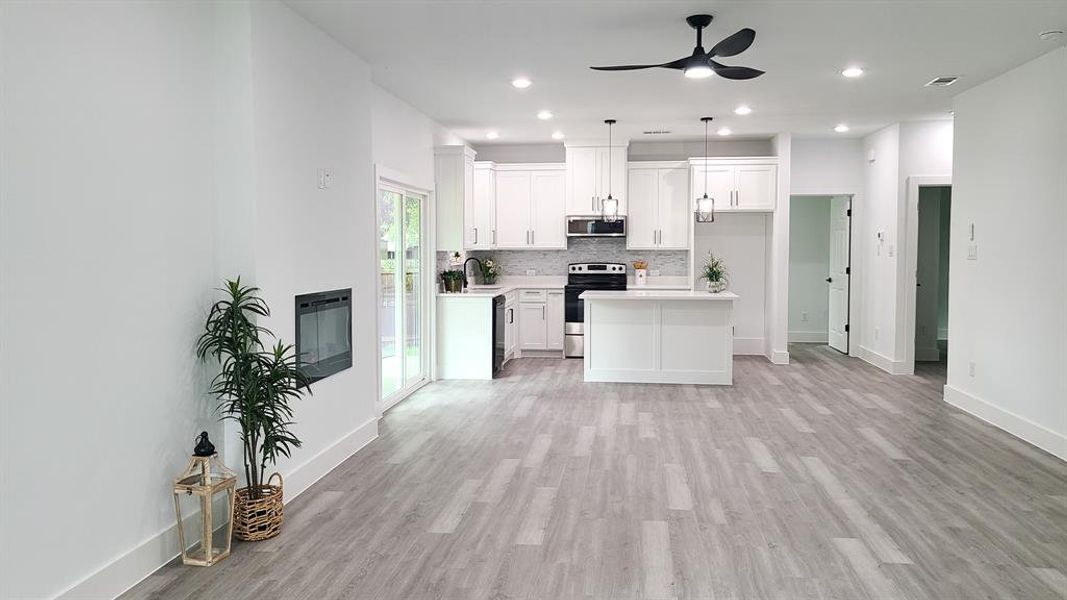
(204, 447)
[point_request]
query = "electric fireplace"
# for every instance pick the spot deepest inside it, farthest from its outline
(324, 332)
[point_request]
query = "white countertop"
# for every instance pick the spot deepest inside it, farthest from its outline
(480, 291)
(647, 294)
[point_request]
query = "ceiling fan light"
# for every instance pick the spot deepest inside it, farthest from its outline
(698, 72)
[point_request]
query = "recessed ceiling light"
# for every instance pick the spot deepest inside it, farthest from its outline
(544, 115)
(841, 128)
(724, 131)
(742, 110)
(521, 82)
(492, 135)
(852, 72)
(557, 135)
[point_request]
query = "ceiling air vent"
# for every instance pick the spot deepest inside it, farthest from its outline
(942, 82)
(656, 132)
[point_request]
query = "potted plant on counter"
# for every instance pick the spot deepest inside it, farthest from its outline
(453, 280)
(490, 271)
(255, 386)
(714, 271)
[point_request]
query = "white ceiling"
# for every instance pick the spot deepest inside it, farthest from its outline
(454, 61)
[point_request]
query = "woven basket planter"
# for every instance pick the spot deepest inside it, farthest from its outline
(256, 519)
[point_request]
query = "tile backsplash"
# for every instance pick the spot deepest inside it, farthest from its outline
(554, 262)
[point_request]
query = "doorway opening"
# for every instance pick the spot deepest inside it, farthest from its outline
(820, 270)
(403, 301)
(931, 273)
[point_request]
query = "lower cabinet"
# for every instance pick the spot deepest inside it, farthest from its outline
(511, 321)
(540, 317)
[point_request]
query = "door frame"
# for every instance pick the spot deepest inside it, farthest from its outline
(908, 279)
(855, 267)
(400, 182)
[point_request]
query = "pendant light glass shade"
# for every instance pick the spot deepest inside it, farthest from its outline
(609, 207)
(705, 206)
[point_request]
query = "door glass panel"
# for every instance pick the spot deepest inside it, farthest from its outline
(390, 303)
(412, 266)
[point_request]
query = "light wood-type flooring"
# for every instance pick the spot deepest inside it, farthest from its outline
(826, 478)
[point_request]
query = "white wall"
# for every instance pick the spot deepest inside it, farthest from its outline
(403, 139)
(741, 240)
(148, 150)
(824, 166)
(809, 266)
(1010, 182)
(649, 150)
(311, 102)
(107, 260)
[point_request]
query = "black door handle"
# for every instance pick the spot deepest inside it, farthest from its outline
(829, 280)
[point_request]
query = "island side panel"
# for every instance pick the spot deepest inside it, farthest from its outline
(464, 337)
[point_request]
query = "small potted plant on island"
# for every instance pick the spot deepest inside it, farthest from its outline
(453, 280)
(254, 387)
(490, 271)
(714, 271)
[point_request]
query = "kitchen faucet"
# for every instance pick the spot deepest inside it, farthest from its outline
(480, 267)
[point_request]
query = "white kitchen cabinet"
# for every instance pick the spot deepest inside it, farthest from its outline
(547, 212)
(593, 171)
(530, 208)
(737, 184)
(554, 320)
(533, 335)
(454, 180)
(510, 324)
(479, 210)
(659, 206)
(512, 209)
(757, 187)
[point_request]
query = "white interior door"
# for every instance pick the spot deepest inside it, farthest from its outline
(840, 227)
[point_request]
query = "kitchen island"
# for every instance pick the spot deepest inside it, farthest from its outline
(659, 336)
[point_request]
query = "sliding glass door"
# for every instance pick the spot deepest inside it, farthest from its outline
(402, 308)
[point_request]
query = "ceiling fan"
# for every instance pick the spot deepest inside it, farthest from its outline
(700, 63)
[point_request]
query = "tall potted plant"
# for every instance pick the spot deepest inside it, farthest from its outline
(255, 385)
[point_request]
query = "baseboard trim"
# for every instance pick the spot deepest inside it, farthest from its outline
(809, 337)
(750, 346)
(132, 567)
(893, 367)
(1020, 427)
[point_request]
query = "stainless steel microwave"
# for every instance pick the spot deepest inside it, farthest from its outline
(596, 227)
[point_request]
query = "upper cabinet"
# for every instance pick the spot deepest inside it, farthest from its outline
(529, 207)
(737, 184)
(454, 180)
(479, 213)
(659, 206)
(592, 173)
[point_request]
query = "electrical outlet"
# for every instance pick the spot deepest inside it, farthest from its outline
(876, 333)
(531, 272)
(972, 252)
(803, 316)
(970, 368)
(325, 178)
(892, 251)
(653, 272)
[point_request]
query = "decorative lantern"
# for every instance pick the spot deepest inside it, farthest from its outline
(204, 478)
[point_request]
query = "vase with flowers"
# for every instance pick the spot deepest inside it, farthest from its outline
(714, 271)
(490, 271)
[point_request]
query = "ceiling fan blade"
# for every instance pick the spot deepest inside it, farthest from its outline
(734, 72)
(674, 64)
(735, 44)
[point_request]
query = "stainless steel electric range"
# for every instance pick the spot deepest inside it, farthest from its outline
(580, 278)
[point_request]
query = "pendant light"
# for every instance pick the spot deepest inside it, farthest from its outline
(705, 211)
(609, 207)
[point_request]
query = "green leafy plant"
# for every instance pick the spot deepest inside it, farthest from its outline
(714, 268)
(490, 270)
(256, 384)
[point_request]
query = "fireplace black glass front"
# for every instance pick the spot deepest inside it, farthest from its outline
(324, 332)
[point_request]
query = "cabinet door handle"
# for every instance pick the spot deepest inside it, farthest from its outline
(542, 313)
(475, 236)
(592, 202)
(494, 237)
(533, 237)
(511, 315)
